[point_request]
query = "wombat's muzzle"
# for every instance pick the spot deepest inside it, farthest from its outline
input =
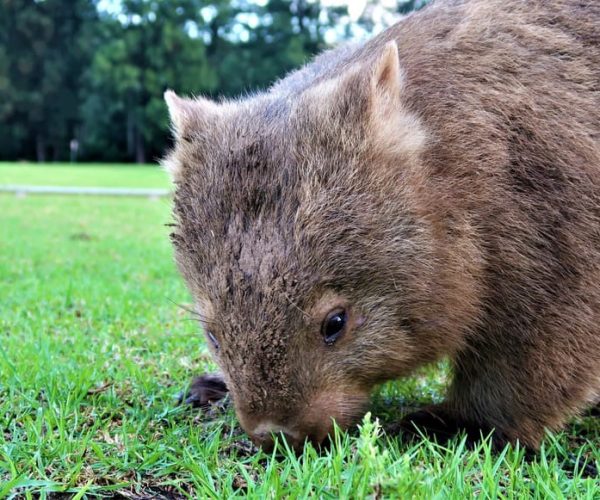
(265, 434)
(313, 423)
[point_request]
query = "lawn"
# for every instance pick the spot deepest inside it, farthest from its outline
(94, 348)
(83, 175)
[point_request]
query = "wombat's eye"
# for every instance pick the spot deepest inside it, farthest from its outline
(334, 325)
(212, 338)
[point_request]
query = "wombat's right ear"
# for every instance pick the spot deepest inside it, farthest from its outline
(189, 118)
(188, 115)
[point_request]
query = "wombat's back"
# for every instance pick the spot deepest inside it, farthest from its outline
(510, 93)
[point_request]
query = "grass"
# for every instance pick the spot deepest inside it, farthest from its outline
(93, 350)
(83, 175)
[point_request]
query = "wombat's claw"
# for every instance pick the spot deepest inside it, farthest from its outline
(573, 464)
(436, 422)
(594, 411)
(429, 421)
(204, 390)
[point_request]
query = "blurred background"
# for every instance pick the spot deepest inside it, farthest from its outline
(82, 80)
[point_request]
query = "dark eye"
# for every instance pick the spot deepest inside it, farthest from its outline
(212, 338)
(334, 325)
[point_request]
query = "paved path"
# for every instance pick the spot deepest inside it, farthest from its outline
(94, 191)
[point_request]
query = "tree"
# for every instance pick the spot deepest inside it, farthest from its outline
(43, 52)
(270, 39)
(69, 71)
(149, 48)
(193, 47)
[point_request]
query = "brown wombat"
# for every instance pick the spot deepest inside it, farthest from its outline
(432, 193)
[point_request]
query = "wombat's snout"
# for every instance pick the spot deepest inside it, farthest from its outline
(312, 423)
(265, 432)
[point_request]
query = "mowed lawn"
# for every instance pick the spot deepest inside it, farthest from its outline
(84, 175)
(94, 347)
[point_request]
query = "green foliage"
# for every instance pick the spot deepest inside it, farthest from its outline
(44, 47)
(69, 71)
(93, 349)
(143, 55)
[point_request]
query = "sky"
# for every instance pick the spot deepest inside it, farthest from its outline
(355, 7)
(381, 12)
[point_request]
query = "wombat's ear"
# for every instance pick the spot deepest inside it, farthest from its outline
(373, 86)
(188, 114)
(189, 118)
(367, 92)
(386, 79)
(394, 130)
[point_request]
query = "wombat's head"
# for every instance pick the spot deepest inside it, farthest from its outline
(297, 238)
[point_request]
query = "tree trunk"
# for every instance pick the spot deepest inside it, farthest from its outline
(140, 150)
(40, 148)
(130, 133)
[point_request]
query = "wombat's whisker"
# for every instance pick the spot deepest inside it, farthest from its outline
(196, 315)
(306, 315)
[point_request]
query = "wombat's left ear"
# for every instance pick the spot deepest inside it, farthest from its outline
(375, 81)
(394, 130)
(386, 78)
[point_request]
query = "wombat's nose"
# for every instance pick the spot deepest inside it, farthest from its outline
(264, 435)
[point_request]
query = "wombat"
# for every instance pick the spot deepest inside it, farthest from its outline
(432, 193)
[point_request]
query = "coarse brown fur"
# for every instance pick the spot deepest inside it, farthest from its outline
(440, 183)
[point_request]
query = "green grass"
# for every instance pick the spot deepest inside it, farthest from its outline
(83, 175)
(93, 350)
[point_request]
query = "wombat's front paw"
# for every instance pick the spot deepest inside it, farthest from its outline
(431, 421)
(436, 422)
(204, 390)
